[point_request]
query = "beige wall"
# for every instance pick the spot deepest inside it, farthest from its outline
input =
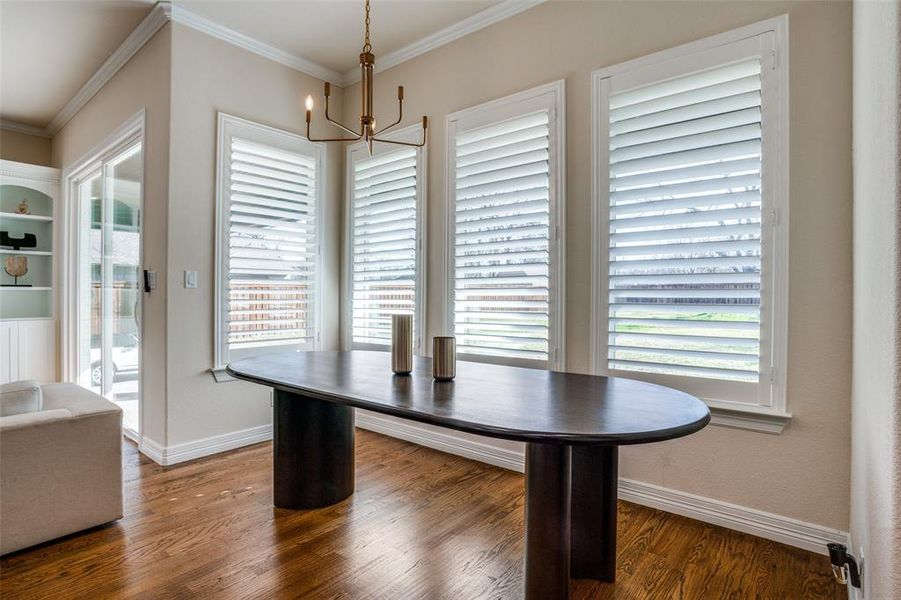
(804, 472)
(142, 83)
(876, 404)
(24, 148)
(209, 75)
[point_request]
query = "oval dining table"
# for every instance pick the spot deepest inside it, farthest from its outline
(572, 426)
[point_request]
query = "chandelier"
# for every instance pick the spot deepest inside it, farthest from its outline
(368, 132)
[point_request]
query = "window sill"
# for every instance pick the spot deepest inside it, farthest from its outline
(220, 375)
(728, 414)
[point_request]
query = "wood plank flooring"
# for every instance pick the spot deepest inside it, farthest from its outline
(422, 524)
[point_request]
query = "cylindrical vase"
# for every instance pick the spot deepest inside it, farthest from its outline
(444, 358)
(402, 344)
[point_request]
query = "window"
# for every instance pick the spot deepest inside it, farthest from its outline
(268, 216)
(690, 255)
(386, 213)
(505, 252)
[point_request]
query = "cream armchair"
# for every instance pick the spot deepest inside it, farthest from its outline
(60, 462)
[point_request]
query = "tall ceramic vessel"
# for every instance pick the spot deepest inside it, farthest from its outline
(402, 344)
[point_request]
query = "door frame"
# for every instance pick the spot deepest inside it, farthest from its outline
(128, 133)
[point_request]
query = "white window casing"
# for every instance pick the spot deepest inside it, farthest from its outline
(384, 239)
(505, 251)
(269, 232)
(690, 220)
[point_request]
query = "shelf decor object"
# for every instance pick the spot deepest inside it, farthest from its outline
(401, 344)
(367, 131)
(22, 207)
(28, 240)
(444, 357)
(16, 266)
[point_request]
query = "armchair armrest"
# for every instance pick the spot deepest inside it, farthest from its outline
(33, 419)
(77, 400)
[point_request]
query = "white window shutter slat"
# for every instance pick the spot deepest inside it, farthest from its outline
(272, 246)
(685, 225)
(501, 302)
(383, 248)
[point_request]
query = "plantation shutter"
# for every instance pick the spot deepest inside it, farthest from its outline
(383, 243)
(272, 246)
(685, 225)
(502, 238)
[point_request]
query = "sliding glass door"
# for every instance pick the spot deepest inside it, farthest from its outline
(108, 280)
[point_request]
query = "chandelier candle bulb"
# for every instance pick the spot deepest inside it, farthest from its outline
(444, 358)
(401, 344)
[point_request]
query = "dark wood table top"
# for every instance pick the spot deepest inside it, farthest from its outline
(527, 405)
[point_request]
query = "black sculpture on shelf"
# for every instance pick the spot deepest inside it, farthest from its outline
(28, 240)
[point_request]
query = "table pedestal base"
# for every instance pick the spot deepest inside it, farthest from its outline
(593, 510)
(313, 451)
(570, 491)
(570, 517)
(548, 487)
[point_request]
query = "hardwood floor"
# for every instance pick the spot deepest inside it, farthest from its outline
(421, 524)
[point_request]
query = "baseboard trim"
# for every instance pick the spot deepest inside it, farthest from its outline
(785, 530)
(778, 528)
(443, 440)
(179, 453)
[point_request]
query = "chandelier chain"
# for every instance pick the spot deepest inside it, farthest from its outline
(367, 47)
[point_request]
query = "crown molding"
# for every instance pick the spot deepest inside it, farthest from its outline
(163, 11)
(480, 20)
(205, 25)
(153, 22)
(17, 127)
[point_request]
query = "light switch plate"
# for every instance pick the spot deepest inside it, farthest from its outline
(190, 279)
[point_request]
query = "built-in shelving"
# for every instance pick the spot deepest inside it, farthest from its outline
(26, 252)
(33, 189)
(20, 217)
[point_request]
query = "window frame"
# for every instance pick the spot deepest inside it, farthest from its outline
(550, 96)
(227, 125)
(411, 134)
(772, 36)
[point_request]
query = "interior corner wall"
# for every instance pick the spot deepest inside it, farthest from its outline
(25, 148)
(210, 75)
(876, 400)
(804, 472)
(143, 82)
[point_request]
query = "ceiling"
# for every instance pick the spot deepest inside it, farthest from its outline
(330, 32)
(50, 48)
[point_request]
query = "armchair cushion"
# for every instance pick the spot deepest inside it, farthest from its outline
(20, 397)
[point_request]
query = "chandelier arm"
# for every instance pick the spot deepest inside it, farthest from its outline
(353, 139)
(400, 116)
(333, 122)
(348, 130)
(413, 144)
(384, 129)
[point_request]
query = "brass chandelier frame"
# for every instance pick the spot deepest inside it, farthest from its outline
(367, 132)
